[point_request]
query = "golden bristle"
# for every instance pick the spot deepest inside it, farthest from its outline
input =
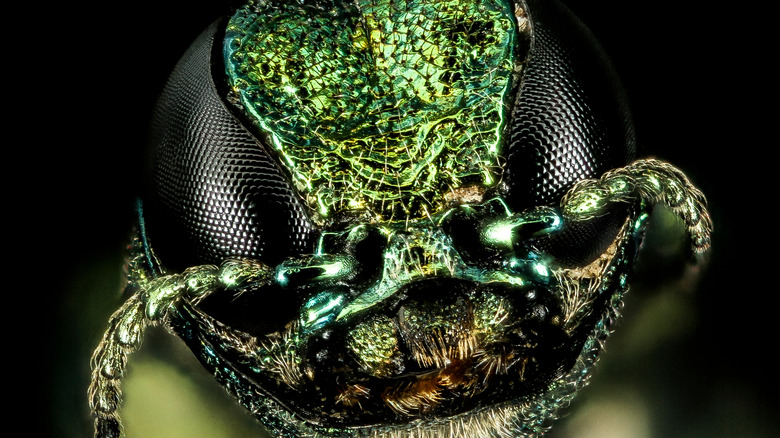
(413, 398)
(352, 395)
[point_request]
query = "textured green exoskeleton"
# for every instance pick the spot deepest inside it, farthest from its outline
(430, 304)
(385, 111)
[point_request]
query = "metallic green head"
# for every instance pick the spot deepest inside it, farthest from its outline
(378, 105)
(391, 218)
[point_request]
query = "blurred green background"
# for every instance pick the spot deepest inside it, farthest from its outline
(692, 358)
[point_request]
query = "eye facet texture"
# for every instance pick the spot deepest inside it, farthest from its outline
(377, 105)
(391, 218)
(214, 191)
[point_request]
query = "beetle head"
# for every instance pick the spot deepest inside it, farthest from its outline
(400, 166)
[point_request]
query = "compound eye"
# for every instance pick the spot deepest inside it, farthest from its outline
(570, 123)
(213, 190)
(571, 118)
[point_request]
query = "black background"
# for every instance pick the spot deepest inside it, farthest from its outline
(83, 78)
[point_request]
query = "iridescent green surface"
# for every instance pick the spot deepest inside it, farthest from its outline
(378, 105)
(444, 338)
(456, 323)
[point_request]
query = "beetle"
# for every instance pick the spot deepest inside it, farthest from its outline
(391, 218)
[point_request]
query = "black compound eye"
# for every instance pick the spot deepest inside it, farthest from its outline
(390, 217)
(571, 120)
(214, 191)
(570, 123)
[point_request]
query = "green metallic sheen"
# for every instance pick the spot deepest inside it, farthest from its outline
(378, 105)
(376, 347)
(389, 116)
(473, 330)
(418, 252)
(504, 233)
(321, 310)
